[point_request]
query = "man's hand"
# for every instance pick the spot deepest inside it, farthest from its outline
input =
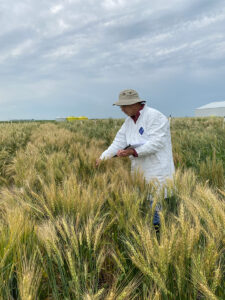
(98, 161)
(124, 153)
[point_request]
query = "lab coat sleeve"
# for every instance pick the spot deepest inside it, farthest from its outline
(157, 134)
(118, 144)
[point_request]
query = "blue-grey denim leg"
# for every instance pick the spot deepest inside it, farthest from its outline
(156, 217)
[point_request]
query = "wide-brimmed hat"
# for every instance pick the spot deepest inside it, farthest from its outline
(128, 97)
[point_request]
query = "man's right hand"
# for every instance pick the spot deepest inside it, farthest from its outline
(125, 152)
(98, 162)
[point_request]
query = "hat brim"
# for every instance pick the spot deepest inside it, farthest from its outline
(132, 101)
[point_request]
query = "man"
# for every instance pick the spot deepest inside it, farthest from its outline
(147, 133)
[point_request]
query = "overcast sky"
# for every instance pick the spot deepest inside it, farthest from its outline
(72, 57)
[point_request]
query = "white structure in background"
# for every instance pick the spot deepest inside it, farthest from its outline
(60, 119)
(212, 109)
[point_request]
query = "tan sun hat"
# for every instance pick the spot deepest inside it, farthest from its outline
(128, 97)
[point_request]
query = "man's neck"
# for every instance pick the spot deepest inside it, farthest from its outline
(137, 114)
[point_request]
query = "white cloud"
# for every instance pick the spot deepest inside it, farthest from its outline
(63, 52)
(22, 49)
(111, 4)
(63, 25)
(170, 50)
(57, 8)
(204, 21)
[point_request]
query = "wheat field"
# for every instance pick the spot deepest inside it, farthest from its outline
(69, 230)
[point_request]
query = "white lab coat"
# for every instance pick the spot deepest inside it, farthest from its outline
(151, 138)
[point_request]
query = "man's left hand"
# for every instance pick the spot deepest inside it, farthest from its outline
(124, 153)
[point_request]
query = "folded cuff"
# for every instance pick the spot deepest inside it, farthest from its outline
(135, 153)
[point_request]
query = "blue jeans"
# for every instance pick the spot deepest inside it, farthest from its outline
(156, 217)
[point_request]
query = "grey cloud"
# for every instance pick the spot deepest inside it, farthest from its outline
(87, 45)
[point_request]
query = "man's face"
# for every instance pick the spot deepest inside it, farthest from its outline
(130, 110)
